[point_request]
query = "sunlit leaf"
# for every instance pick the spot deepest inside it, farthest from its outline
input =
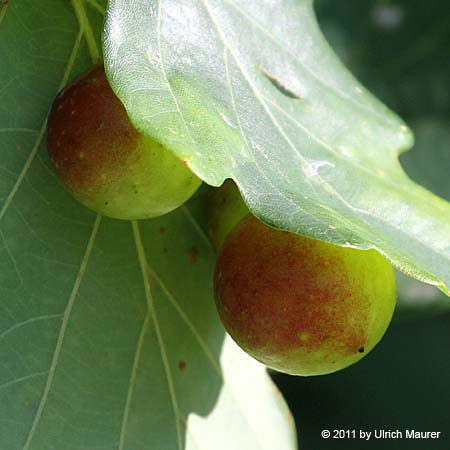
(251, 90)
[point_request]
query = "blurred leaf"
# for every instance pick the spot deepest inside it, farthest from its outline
(252, 91)
(417, 300)
(429, 161)
(398, 49)
(261, 409)
(109, 336)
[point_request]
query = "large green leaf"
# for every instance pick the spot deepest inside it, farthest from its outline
(109, 336)
(251, 90)
(403, 56)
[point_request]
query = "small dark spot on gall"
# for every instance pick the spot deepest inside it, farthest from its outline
(193, 254)
(106, 203)
(182, 364)
(162, 231)
(361, 349)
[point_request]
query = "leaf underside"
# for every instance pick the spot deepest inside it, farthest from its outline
(109, 338)
(251, 91)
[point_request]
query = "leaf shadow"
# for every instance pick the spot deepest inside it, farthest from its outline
(184, 337)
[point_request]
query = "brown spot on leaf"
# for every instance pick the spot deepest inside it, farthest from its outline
(162, 231)
(193, 254)
(182, 364)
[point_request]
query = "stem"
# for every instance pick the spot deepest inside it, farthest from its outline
(85, 25)
(99, 8)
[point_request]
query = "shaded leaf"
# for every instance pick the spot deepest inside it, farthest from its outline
(109, 338)
(252, 91)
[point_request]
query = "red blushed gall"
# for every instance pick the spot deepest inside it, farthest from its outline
(105, 162)
(300, 305)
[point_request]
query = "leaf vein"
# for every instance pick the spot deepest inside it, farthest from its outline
(62, 333)
(41, 133)
(227, 46)
(99, 8)
(163, 69)
(3, 12)
(152, 312)
(199, 340)
(18, 130)
(185, 319)
(19, 380)
(27, 322)
(137, 357)
(195, 225)
(275, 40)
(86, 28)
(12, 257)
